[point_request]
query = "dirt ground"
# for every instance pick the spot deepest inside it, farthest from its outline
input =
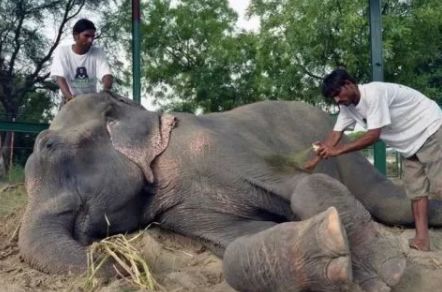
(177, 263)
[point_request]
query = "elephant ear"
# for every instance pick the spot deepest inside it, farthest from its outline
(140, 135)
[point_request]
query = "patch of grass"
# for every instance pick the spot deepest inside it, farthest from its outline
(12, 198)
(12, 191)
(16, 174)
(120, 250)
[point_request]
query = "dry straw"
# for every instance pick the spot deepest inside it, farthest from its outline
(131, 265)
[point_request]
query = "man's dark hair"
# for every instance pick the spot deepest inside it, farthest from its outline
(82, 25)
(332, 83)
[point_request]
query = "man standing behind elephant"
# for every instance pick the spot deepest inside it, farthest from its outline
(76, 68)
(406, 120)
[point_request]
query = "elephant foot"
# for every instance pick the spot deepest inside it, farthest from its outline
(378, 262)
(311, 255)
(374, 285)
(331, 235)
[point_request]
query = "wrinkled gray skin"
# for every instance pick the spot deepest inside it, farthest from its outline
(107, 160)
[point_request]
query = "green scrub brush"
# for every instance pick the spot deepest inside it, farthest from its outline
(292, 161)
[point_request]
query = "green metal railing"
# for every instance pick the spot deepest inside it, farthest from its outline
(136, 51)
(380, 158)
(22, 127)
(393, 160)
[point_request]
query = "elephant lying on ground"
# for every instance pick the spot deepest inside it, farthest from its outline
(106, 166)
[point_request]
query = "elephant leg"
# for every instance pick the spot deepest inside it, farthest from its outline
(310, 255)
(377, 260)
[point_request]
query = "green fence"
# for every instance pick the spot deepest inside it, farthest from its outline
(22, 127)
(393, 161)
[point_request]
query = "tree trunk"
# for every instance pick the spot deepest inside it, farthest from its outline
(2, 161)
(6, 152)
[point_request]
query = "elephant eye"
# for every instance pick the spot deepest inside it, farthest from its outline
(47, 143)
(110, 112)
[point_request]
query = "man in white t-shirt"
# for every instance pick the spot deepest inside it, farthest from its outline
(77, 68)
(406, 120)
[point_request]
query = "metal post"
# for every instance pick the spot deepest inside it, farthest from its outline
(380, 159)
(11, 153)
(136, 45)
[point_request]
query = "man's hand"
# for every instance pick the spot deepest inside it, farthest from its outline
(61, 82)
(310, 165)
(107, 81)
(326, 151)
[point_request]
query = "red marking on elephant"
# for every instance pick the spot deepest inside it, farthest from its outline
(200, 143)
(298, 257)
(33, 185)
(168, 175)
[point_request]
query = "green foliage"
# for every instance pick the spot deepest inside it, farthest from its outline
(194, 57)
(300, 40)
(116, 38)
(413, 45)
(190, 52)
(306, 39)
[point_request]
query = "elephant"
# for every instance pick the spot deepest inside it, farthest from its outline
(106, 165)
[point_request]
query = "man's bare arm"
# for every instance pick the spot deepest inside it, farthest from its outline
(369, 138)
(61, 82)
(332, 139)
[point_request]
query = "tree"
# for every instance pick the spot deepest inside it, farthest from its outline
(413, 44)
(192, 58)
(301, 40)
(190, 53)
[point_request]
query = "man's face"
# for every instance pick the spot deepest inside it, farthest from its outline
(348, 94)
(85, 39)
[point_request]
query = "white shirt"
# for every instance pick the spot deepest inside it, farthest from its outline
(80, 71)
(406, 117)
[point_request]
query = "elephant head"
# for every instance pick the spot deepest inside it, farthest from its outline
(88, 177)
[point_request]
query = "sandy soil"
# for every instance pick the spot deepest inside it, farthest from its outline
(177, 263)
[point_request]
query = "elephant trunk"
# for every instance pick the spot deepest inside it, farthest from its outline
(46, 242)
